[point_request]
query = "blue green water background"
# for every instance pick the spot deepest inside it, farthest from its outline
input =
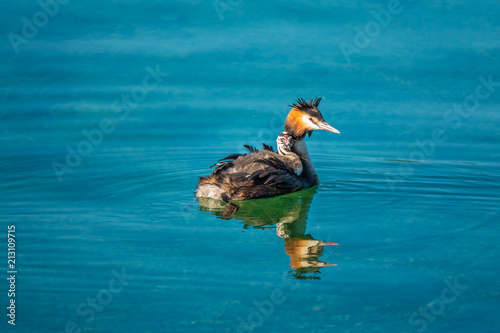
(409, 191)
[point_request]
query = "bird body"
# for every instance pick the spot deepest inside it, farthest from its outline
(260, 174)
(266, 173)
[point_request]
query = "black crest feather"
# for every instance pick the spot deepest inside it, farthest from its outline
(304, 105)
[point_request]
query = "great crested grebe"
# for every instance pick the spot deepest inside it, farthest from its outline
(265, 173)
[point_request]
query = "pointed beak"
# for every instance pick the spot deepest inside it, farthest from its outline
(326, 127)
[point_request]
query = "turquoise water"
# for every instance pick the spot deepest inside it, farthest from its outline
(101, 151)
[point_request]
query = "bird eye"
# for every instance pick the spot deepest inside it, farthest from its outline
(310, 119)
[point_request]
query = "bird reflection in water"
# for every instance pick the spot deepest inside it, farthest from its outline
(288, 214)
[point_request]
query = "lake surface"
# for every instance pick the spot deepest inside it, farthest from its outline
(101, 151)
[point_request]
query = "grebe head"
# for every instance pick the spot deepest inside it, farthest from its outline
(304, 118)
(284, 143)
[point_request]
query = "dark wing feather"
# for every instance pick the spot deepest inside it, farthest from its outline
(231, 157)
(267, 147)
(227, 159)
(251, 149)
(277, 164)
(278, 178)
(222, 166)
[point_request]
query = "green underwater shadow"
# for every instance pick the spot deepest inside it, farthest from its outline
(287, 214)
